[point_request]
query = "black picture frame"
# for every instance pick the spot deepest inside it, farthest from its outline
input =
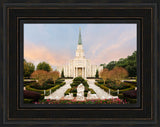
(14, 13)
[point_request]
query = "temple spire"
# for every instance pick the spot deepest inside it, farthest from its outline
(79, 39)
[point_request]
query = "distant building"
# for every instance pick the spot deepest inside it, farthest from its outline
(79, 66)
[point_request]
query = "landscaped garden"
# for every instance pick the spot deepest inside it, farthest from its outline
(111, 82)
(42, 83)
(76, 82)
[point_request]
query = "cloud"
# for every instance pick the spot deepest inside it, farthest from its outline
(38, 53)
(56, 44)
(118, 43)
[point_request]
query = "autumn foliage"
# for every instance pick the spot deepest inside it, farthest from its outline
(104, 74)
(54, 75)
(116, 74)
(40, 75)
(43, 76)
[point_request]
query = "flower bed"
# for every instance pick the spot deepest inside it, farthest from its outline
(106, 101)
(129, 96)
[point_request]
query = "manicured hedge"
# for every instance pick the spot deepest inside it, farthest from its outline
(74, 94)
(78, 79)
(47, 91)
(85, 83)
(114, 92)
(31, 95)
(67, 92)
(92, 91)
(85, 94)
(73, 90)
(74, 85)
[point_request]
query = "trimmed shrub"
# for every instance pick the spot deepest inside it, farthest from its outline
(130, 94)
(67, 92)
(74, 94)
(44, 86)
(74, 90)
(78, 79)
(74, 84)
(86, 89)
(85, 93)
(118, 86)
(85, 83)
(32, 95)
(92, 91)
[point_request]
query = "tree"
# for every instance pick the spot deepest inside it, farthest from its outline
(111, 65)
(28, 68)
(104, 65)
(62, 74)
(54, 75)
(118, 73)
(41, 76)
(104, 74)
(97, 74)
(129, 63)
(44, 66)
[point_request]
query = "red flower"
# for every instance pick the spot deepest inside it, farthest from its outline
(48, 100)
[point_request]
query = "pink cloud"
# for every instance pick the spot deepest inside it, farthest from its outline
(38, 53)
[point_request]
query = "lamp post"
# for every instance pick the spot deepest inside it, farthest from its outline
(117, 91)
(50, 91)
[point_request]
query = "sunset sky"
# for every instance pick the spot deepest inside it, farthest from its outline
(56, 43)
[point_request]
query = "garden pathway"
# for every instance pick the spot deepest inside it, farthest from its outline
(99, 92)
(59, 93)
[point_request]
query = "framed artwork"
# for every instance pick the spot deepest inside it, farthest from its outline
(68, 63)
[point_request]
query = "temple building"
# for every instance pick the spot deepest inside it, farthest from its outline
(79, 66)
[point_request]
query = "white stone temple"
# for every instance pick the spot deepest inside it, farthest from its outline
(79, 66)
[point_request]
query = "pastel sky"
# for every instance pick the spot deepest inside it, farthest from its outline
(56, 43)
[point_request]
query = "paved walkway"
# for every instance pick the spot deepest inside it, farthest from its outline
(99, 91)
(59, 93)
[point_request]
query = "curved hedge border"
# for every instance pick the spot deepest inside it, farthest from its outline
(67, 91)
(92, 91)
(114, 92)
(47, 91)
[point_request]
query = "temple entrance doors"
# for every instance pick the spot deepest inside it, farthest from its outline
(80, 71)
